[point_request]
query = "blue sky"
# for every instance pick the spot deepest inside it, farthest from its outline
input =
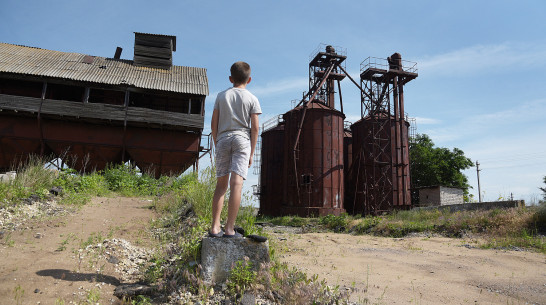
(482, 64)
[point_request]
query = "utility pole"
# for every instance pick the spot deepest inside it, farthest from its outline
(479, 190)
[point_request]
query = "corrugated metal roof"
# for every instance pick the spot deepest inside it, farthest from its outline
(40, 62)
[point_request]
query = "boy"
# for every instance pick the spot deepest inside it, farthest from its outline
(234, 127)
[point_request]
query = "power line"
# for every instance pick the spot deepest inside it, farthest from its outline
(514, 165)
(515, 157)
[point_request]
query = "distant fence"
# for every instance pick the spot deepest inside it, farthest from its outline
(477, 206)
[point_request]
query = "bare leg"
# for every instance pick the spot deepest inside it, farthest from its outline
(218, 202)
(236, 187)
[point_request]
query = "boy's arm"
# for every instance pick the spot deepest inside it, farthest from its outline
(254, 130)
(214, 125)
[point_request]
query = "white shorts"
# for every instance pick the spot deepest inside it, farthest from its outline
(232, 155)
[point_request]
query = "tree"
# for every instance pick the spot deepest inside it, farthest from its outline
(431, 166)
(543, 189)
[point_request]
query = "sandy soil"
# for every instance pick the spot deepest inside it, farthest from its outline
(41, 264)
(418, 270)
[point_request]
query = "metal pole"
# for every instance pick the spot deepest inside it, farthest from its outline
(479, 190)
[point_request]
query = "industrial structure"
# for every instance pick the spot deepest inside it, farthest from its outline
(304, 175)
(91, 111)
(328, 166)
(380, 171)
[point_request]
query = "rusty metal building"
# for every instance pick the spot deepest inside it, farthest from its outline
(91, 111)
(328, 166)
(302, 154)
(380, 167)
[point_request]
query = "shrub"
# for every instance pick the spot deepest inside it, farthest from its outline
(199, 193)
(538, 221)
(240, 277)
(335, 223)
(292, 221)
(32, 179)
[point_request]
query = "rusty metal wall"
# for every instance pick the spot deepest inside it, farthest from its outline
(381, 184)
(83, 146)
(162, 152)
(319, 162)
(271, 172)
(19, 138)
(87, 147)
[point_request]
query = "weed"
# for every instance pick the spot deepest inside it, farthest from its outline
(292, 221)
(32, 179)
(94, 238)
(8, 240)
(141, 300)
(155, 269)
(240, 277)
(335, 223)
(18, 292)
(93, 296)
(65, 242)
(367, 224)
(59, 301)
(199, 193)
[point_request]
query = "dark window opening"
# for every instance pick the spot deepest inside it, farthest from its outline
(65, 92)
(21, 87)
(196, 106)
(158, 102)
(106, 97)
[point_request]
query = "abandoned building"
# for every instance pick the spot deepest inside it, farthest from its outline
(440, 195)
(91, 111)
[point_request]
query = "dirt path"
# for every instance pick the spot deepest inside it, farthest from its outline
(42, 264)
(419, 270)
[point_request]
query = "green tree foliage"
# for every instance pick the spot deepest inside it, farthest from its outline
(543, 189)
(432, 166)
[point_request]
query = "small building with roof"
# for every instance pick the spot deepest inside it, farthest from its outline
(439, 195)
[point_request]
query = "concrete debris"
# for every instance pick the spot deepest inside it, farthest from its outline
(219, 255)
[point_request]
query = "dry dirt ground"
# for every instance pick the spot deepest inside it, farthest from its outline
(419, 270)
(41, 265)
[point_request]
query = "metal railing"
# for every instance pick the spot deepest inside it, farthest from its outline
(383, 64)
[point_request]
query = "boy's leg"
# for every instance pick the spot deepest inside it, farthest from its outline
(236, 187)
(218, 203)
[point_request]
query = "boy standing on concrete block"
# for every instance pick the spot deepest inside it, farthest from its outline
(235, 130)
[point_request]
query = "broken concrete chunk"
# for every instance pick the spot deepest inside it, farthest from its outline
(219, 255)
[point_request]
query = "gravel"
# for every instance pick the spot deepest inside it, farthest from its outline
(15, 217)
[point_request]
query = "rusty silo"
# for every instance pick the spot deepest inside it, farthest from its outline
(380, 139)
(310, 180)
(314, 172)
(271, 167)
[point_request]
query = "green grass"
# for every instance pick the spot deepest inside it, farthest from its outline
(185, 216)
(33, 178)
(499, 228)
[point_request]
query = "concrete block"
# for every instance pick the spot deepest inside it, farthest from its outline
(218, 255)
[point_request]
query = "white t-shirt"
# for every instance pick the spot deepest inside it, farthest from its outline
(235, 106)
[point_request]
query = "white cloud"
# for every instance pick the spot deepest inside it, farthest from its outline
(507, 143)
(352, 117)
(494, 124)
(483, 59)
